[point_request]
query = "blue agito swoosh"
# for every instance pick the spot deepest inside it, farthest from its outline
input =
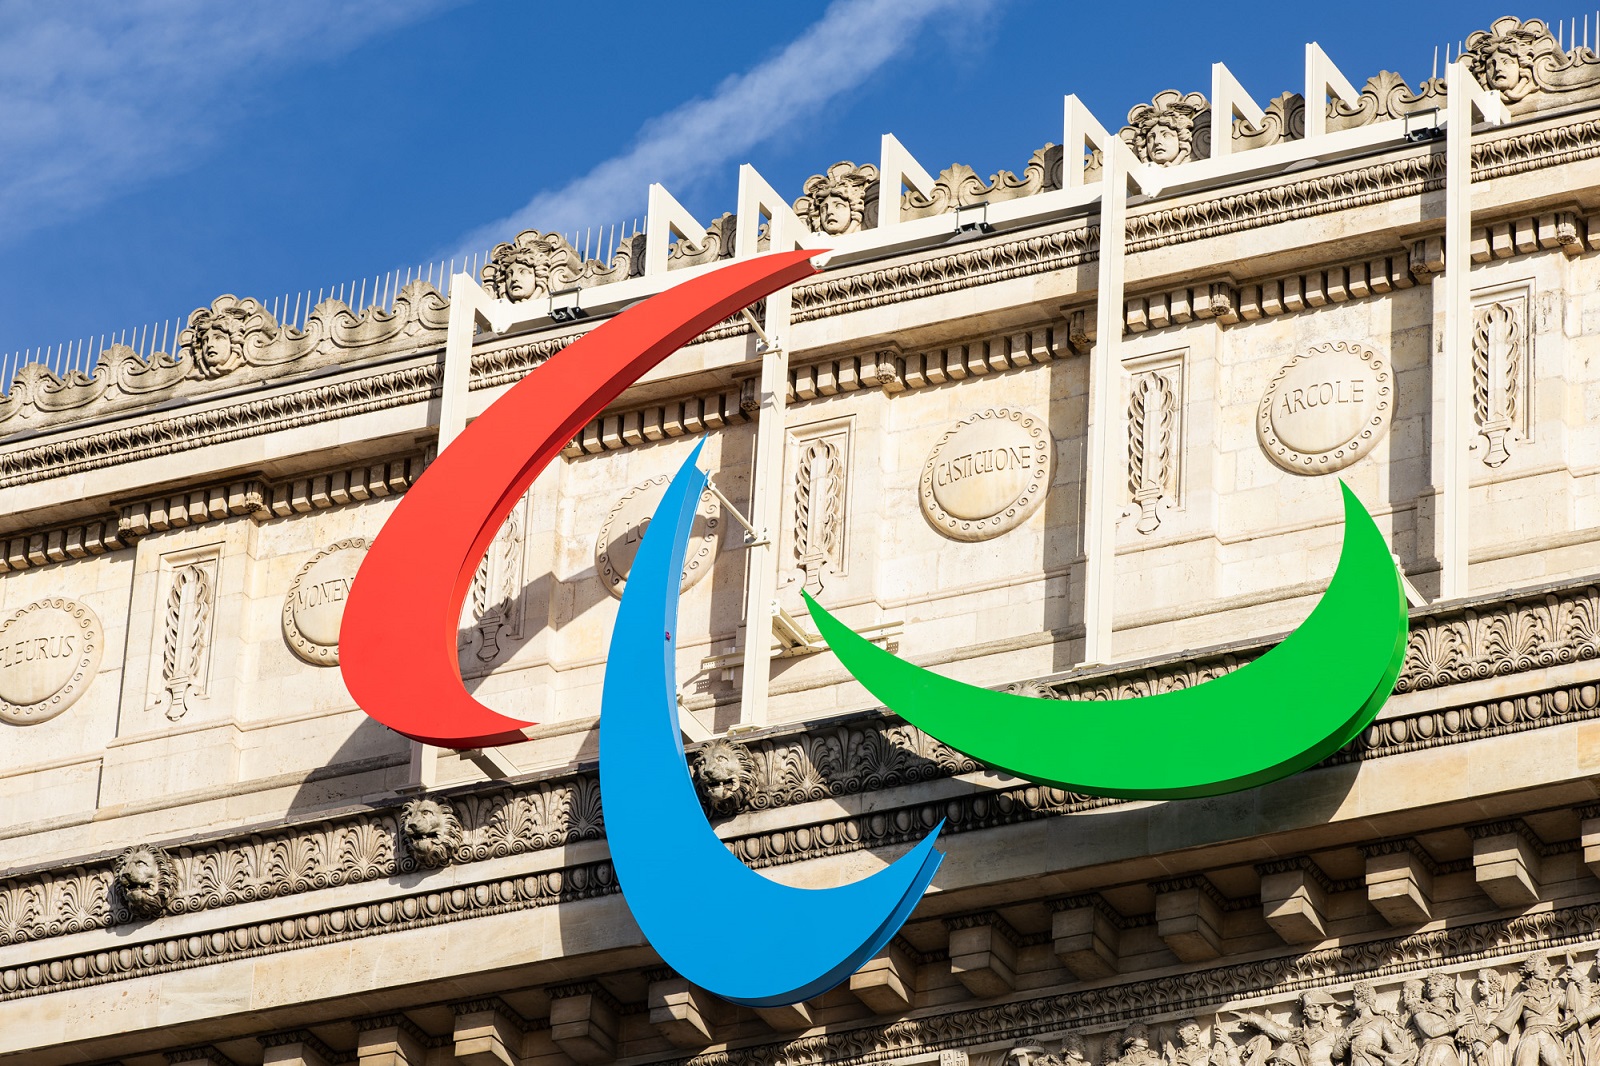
(692, 898)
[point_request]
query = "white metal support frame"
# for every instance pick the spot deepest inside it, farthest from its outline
(1323, 79)
(1230, 101)
(1105, 433)
(1465, 98)
(758, 199)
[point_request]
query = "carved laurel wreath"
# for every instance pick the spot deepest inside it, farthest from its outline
(303, 646)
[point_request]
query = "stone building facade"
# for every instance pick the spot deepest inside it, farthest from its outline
(209, 854)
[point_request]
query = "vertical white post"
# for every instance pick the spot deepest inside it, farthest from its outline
(1230, 101)
(465, 299)
(898, 167)
(1464, 98)
(757, 197)
(761, 582)
(1105, 363)
(1323, 78)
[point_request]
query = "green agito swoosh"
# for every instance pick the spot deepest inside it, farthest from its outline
(1289, 709)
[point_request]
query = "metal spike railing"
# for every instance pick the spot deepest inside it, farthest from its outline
(294, 309)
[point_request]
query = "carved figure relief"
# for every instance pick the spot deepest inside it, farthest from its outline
(1154, 441)
(216, 335)
(530, 266)
(432, 832)
(1502, 57)
(185, 635)
(624, 529)
(494, 603)
(49, 653)
(1500, 373)
(1164, 131)
(844, 200)
(819, 503)
(1326, 408)
(725, 774)
(987, 474)
(313, 608)
(145, 879)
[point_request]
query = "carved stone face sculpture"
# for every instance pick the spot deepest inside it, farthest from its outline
(1074, 1052)
(1163, 143)
(1030, 1055)
(523, 280)
(1490, 987)
(1502, 57)
(1189, 1035)
(145, 877)
(725, 775)
(216, 340)
(1162, 131)
(836, 214)
(431, 831)
(1537, 971)
(520, 270)
(1316, 1008)
(835, 203)
(1439, 985)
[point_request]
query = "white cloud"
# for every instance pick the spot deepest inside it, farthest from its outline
(842, 49)
(96, 97)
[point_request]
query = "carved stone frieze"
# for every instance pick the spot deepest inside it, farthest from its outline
(49, 652)
(1524, 633)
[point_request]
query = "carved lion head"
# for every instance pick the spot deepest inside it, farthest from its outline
(145, 878)
(431, 831)
(726, 776)
(836, 202)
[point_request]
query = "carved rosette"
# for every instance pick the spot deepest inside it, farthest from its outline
(987, 474)
(313, 608)
(1326, 408)
(49, 653)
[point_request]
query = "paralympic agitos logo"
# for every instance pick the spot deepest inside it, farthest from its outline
(1301, 701)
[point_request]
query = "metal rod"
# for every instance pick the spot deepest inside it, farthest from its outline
(733, 511)
(756, 325)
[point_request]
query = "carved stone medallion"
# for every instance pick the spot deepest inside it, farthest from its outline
(624, 530)
(314, 605)
(987, 474)
(1326, 408)
(49, 652)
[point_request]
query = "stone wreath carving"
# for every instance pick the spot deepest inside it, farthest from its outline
(49, 653)
(431, 831)
(314, 605)
(145, 878)
(624, 528)
(1326, 408)
(725, 775)
(987, 474)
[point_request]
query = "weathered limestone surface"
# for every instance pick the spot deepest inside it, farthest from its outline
(208, 853)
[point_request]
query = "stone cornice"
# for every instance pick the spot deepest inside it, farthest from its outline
(862, 755)
(1026, 255)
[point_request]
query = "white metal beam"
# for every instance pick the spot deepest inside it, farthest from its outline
(1323, 79)
(1464, 98)
(1229, 101)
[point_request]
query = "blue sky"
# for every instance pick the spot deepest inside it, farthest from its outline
(157, 153)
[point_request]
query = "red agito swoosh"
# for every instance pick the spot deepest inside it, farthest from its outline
(397, 644)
